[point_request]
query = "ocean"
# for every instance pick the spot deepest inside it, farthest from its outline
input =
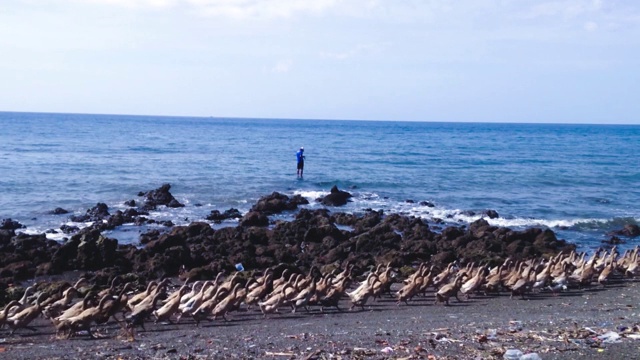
(579, 180)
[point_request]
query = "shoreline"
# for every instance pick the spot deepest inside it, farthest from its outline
(314, 248)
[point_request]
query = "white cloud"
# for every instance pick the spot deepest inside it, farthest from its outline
(282, 66)
(564, 8)
(234, 9)
(136, 3)
(246, 9)
(355, 51)
(591, 26)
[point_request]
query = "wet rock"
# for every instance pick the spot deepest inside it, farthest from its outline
(492, 214)
(96, 213)
(299, 200)
(614, 240)
(130, 203)
(69, 229)
(254, 218)
(159, 196)
(58, 211)
(150, 235)
(9, 224)
(314, 237)
(629, 230)
(277, 203)
(217, 217)
(335, 198)
(5, 236)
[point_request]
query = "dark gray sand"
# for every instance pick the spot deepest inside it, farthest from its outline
(566, 326)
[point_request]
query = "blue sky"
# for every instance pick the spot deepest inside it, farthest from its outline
(563, 61)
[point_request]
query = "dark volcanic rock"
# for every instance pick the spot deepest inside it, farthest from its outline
(254, 218)
(629, 230)
(492, 214)
(22, 253)
(427, 204)
(313, 238)
(68, 229)
(86, 250)
(218, 217)
(59, 211)
(277, 203)
(96, 213)
(8, 224)
(613, 240)
(159, 196)
(335, 198)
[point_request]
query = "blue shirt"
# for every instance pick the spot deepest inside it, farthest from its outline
(300, 156)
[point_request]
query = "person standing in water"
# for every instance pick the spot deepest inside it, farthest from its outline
(300, 157)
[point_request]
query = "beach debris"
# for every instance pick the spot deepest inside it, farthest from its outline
(287, 354)
(515, 326)
(610, 337)
(512, 354)
(530, 356)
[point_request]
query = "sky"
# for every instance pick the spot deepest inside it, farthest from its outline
(561, 61)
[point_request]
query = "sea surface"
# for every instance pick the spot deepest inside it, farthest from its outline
(582, 181)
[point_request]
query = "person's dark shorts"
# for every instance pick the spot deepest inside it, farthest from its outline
(300, 165)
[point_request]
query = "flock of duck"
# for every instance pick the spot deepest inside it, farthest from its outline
(72, 314)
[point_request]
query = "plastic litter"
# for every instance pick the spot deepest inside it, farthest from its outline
(387, 350)
(239, 267)
(610, 337)
(515, 326)
(530, 356)
(512, 354)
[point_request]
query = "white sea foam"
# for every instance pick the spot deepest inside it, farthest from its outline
(311, 195)
(457, 216)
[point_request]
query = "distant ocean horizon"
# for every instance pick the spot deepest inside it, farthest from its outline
(580, 180)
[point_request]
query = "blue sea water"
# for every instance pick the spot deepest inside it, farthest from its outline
(579, 180)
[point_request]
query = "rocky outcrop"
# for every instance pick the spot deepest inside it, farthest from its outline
(629, 230)
(9, 224)
(58, 211)
(21, 254)
(97, 213)
(492, 214)
(254, 218)
(87, 250)
(218, 217)
(335, 198)
(159, 196)
(277, 203)
(313, 238)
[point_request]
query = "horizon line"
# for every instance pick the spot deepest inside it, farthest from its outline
(326, 119)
